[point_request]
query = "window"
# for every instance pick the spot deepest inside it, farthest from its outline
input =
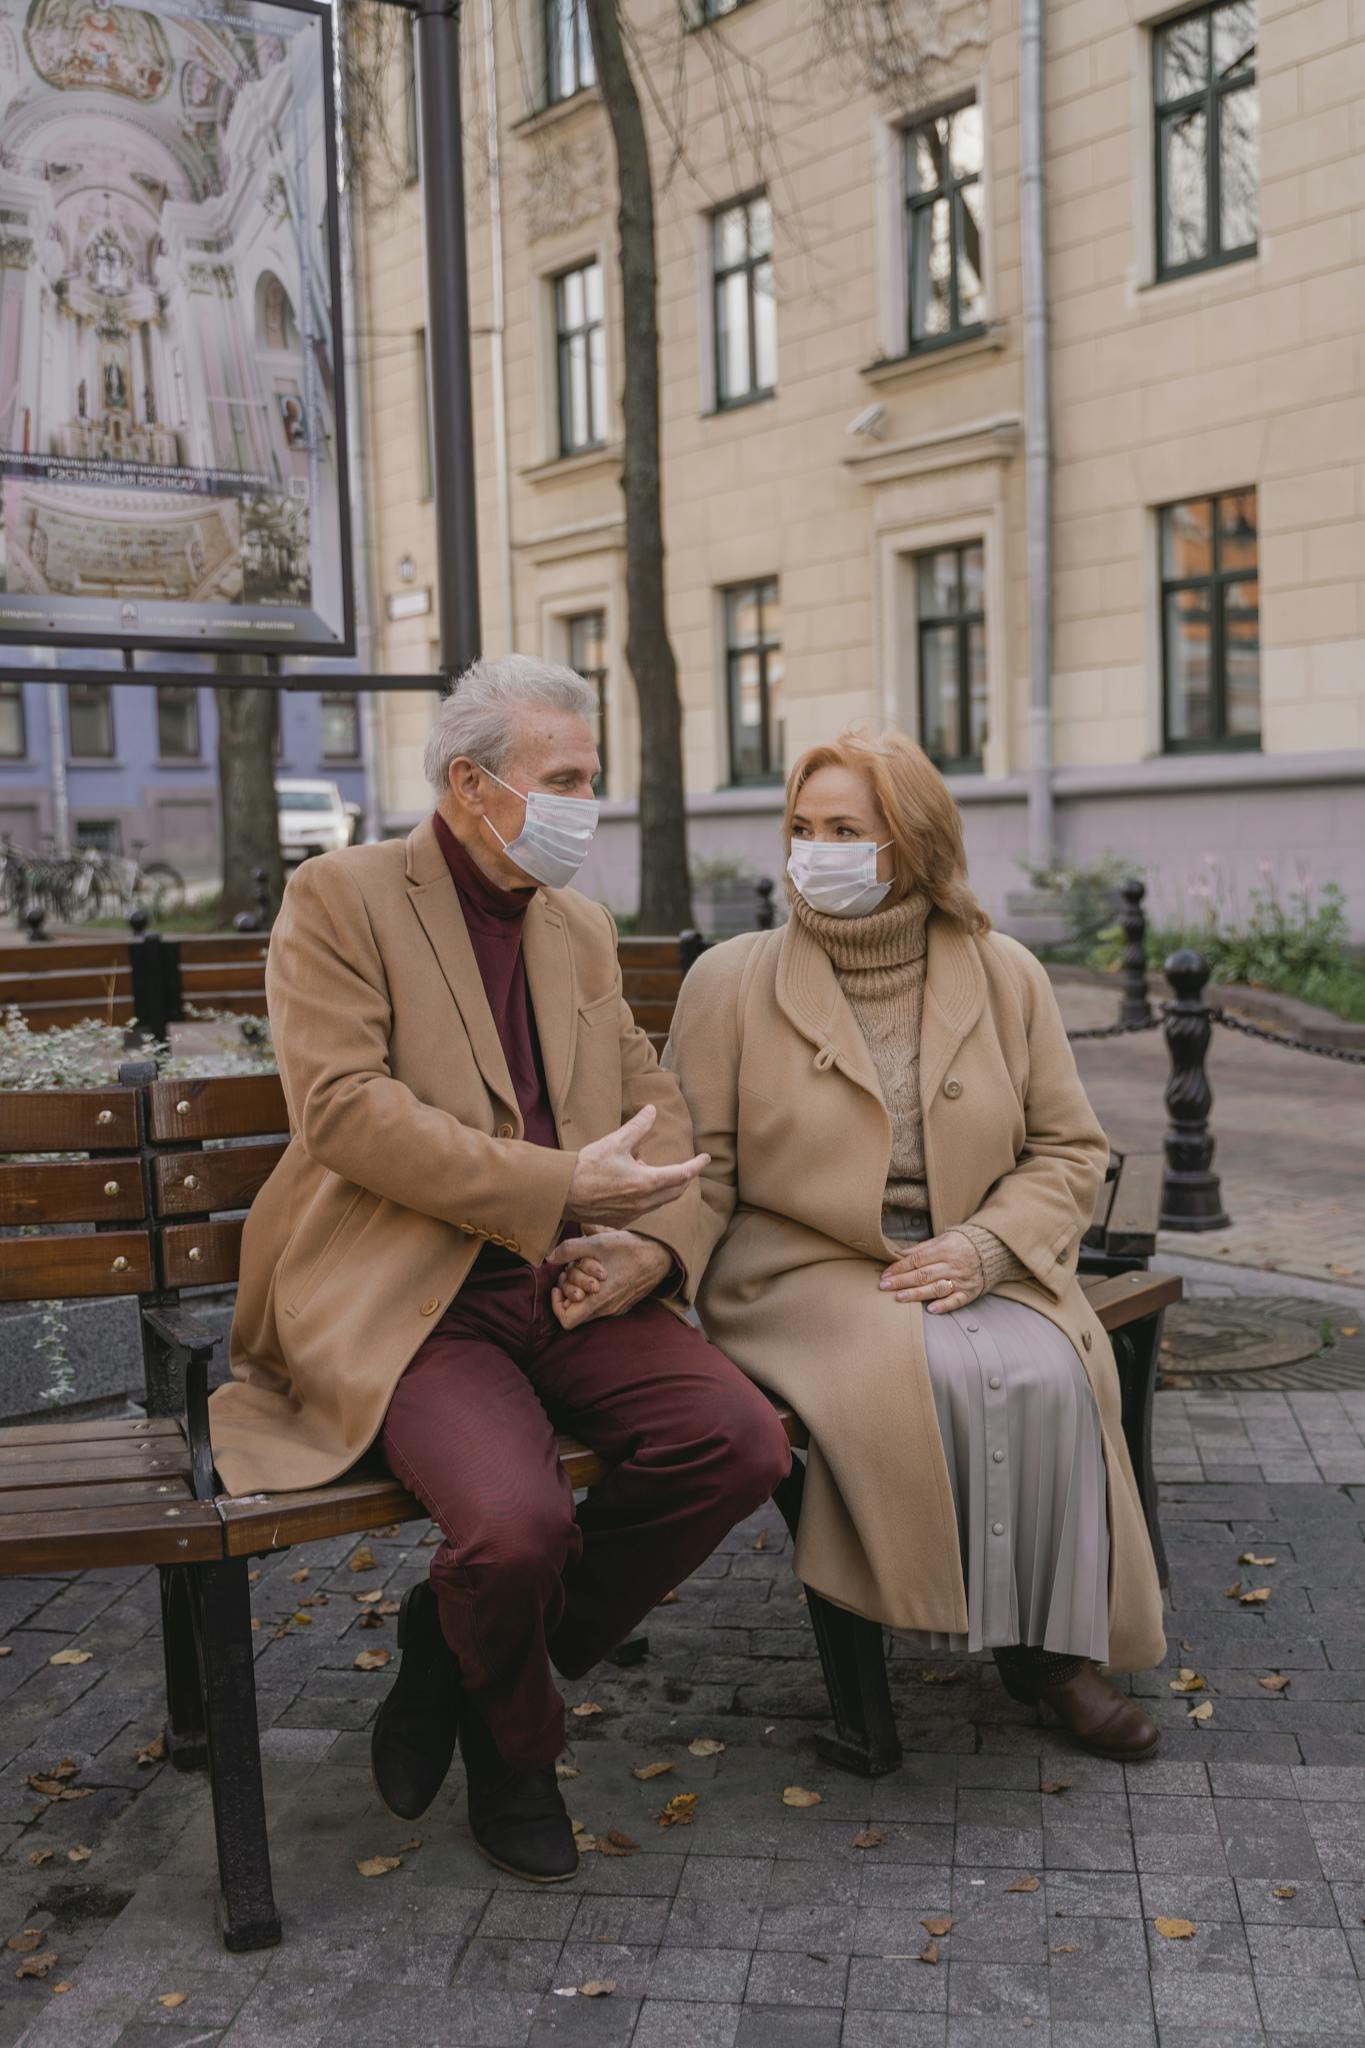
(98, 835)
(13, 739)
(90, 717)
(177, 722)
(569, 66)
(1207, 138)
(411, 133)
(423, 418)
(340, 725)
(744, 310)
(946, 296)
(1211, 642)
(753, 681)
(588, 654)
(951, 627)
(582, 351)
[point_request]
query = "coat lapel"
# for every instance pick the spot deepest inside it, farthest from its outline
(811, 998)
(554, 998)
(954, 996)
(438, 908)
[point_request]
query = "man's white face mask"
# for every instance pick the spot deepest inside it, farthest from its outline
(553, 843)
(838, 876)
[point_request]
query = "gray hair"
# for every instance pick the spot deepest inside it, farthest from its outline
(478, 718)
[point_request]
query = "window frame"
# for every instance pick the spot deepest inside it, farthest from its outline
(1164, 112)
(88, 691)
(180, 690)
(962, 620)
(351, 699)
(12, 692)
(912, 203)
(412, 131)
(563, 337)
(595, 676)
(1222, 741)
(731, 593)
(584, 64)
(754, 393)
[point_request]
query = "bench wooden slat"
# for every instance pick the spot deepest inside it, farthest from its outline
(90, 985)
(210, 948)
(647, 952)
(1131, 1227)
(112, 1493)
(67, 1265)
(201, 1254)
(57, 955)
(227, 1179)
(72, 1538)
(142, 1457)
(71, 1191)
(68, 1120)
(245, 975)
(100, 1429)
(651, 984)
(1120, 1298)
(229, 1106)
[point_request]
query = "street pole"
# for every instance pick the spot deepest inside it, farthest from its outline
(450, 388)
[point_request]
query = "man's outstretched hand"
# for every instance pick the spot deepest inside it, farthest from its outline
(605, 1272)
(610, 1186)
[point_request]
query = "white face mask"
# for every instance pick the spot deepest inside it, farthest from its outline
(553, 843)
(838, 876)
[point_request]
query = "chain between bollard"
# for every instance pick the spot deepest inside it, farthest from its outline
(1349, 1054)
(1122, 1030)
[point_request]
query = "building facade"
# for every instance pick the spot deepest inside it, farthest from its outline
(849, 395)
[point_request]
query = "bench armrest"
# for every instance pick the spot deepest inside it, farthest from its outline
(189, 1345)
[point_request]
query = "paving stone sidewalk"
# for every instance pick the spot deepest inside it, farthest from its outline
(759, 1925)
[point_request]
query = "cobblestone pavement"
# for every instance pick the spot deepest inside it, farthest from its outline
(1289, 1129)
(759, 1925)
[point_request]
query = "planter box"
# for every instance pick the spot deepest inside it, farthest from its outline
(103, 1350)
(724, 908)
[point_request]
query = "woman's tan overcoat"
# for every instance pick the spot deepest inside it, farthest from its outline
(784, 1096)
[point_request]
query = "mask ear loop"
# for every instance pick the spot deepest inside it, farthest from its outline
(486, 820)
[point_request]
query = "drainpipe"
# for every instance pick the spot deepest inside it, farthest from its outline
(56, 740)
(496, 331)
(1037, 430)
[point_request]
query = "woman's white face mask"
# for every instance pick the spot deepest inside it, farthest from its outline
(838, 876)
(553, 843)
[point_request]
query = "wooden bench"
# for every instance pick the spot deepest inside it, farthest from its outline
(165, 1172)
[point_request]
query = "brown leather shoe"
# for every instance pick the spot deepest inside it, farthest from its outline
(1100, 1717)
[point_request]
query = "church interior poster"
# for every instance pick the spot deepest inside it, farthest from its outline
(172, 456)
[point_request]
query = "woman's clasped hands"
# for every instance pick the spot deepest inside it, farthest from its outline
(944, 1273)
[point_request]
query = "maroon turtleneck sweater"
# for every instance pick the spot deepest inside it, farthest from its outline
(494, 918)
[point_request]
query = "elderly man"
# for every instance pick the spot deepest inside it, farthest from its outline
(469, 1096)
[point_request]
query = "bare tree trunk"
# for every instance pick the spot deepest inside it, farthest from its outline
(246, 788)
(665, 893)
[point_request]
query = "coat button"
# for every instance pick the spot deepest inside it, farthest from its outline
(430, 1305)
(952, 1089)
(1085, 1338)
(996, 1380)
(998, 1456)
(973, 1326)
(506, 1130)
(1062, 1258)
(997, 1528)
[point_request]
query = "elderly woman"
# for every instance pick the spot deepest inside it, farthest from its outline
(903, 1163)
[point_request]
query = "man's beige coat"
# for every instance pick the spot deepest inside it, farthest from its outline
(406, 1151)
(785, 1098)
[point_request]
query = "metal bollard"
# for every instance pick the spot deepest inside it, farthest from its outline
(1135, 1007)
(265, 910)
(35, 918)
(764, 915)
(1191, 1198)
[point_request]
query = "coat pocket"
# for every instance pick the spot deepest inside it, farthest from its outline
(347, 1227)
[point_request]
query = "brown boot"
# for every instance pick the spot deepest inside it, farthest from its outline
(1099, 1717)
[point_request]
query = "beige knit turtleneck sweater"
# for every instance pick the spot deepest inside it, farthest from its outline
(879, 963)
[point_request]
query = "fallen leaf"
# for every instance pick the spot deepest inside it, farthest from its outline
(1250, 1557)
(65, 1985)
(1188, 1681)
(1024, 1884)
(563, 1770)
(362, 1560)
(942, 1923)
(38, 1966)
(6, 1649)
(705, 1745)
(1063, 1948)
(666, 1600)
(616, 1842)
(297, 1578)
(303, 1620)
(1234, 1591)
(49, 1787)
(80, 1854)
(1185, 1643)
(929, 1953)
(797, 1795)
(431, 1539)
(1257, 1597)
(760, 1541)
(255, 1621)
(370, 1620)
(1343, 1272)
(152, 1752)
(67, 1768)
(1284, 1891)
(939, 1674)
(384, 1607)
(373, 1660)
(27, 1940)
(644, 1772)
(71, 1657)
(870, 1838)
(76, 1792)
(1174, 1930)
(378, 1866)
(375, 1593)
(37, 1856)
(585, 1841)
(1202, 1713)
(680, 1811)
(1276, 1682)
(252, 1577)
(1348, 1329)
(585, 1710)
(413, 1842)
(388, 1532)
(172, 1999)
(598, 1987)
(1055, 1785)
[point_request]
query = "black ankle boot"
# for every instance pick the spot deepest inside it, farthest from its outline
(413, 1741)
(517, 1818)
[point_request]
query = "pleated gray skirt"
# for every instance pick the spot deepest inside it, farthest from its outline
(1021, 1434)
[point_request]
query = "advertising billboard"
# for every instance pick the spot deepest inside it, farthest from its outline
(172, 421)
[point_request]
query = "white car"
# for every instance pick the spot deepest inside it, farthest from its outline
(314, 818)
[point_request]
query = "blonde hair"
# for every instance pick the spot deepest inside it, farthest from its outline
(923, 820)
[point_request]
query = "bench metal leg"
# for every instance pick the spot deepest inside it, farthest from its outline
(223, 1634)
(186, 1743)
(853, 1659)
(1137, 1353)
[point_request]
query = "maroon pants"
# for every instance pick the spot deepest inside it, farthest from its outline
(524, 1579)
